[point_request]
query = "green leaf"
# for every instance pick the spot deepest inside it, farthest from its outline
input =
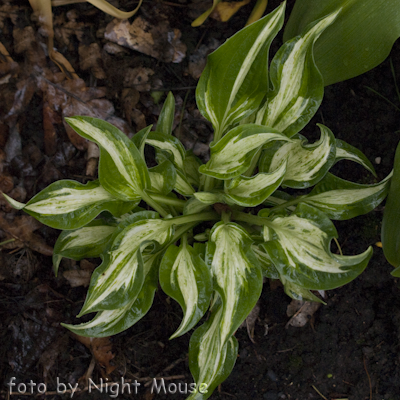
(167, 114)
(232, 155)
(341, 199)
(163, 177)
(86, 242)
(122, 170)
(297, 85)
(236, 273)
(299, 247)
(191, 165)
(210, 360)
(307, 163)
(297, 292)
(185, 277)
(391, 219)
(139, 139)
(235, 79)
(359, 40)
(69, 204)
(119, 278)
(111, 322)
(182, 184)
(267, 266)
(345, 151)
(194, 206)
(252, 191)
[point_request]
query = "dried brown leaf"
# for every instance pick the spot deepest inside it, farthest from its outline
(301, 312)
(77, 277)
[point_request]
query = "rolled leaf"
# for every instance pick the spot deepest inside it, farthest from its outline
(299, 247)
(232, 155)
(139, 139)
(307, 163)
(297, 85)
(122, 170)
(166, 117)
(191, 165)
(163, 177)
(70, 205)
(185, 277)
(235, 79)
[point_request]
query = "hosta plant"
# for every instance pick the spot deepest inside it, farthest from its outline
(209, 232)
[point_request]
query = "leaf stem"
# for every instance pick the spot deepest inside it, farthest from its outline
(168, 200)
(288, 203)
(185, 219)
(250, 218)
(152, 203)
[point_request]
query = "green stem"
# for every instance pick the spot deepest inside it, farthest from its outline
(168, 200)
(7, 241)
(194, 218)
(226, 217)
(288, 203)
(152, 203)
(250, 218)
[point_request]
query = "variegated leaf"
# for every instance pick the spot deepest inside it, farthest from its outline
(307, 163)
(182, 184)
(235, 79)
(267, 266)
(252, 191)
(69, 204)
(86, 242)
(341, 199)
(232, 155)
(163, 177)
(119, 278)
(166, 118)
(185, 277)
(194, 206)
(210, 360)
(111, 322)
(297, 84)
(139, 139)
(345, 151)
(192, 164)
(299, 247)
(210, 197)
(122, 170)
(236, 273)
(297, 292)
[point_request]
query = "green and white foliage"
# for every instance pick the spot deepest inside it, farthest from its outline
(203, 243)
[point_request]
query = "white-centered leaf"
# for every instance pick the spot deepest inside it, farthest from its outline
(185, 277)
(232, 155)
(341, 199)
(235, 79)
(119, 279)
(252, 191)
(297, 85)
(307, 163)
(299, 247)
(69, 204)
(122, 170)
(182, 184)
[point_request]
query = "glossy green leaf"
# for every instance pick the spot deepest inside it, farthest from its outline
(345, 151)
(299, 246)
(191, 165)
(252, 191)
(297, 85)
(341, 199)
(111, 322)
(119, 278)
(86, 242)
(69, 204)
(359, 40)
(163, 177)
(210, 360)
(391, 219)
(182, 184)
(122, 170)
(235, 79)
(185, 277)
(232, 155)
(166, 117)
(307, 163)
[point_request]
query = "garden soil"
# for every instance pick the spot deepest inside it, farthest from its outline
(349, 349)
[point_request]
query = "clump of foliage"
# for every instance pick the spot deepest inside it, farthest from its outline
(257, 153)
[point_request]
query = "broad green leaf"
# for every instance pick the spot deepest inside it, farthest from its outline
(359, 40)
(111, 322)
(122, 170)
(69, 204)
(86, 242)
(139, 139)
(391, 219)
(299, 247)
(235, 79)
(167, 114)
(119, 278)
(194, 206)
(341, 199)
(345, 151)
(297, 85)
(232, 155)
(210, 360)
(185, 277)
(192, 164)
(252, 191)
(182, 184)
(307, 163)
(236, 273)
(163, 177)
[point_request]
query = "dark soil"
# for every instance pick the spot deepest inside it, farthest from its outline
(350, 348)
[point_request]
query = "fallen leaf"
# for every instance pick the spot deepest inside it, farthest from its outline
(301, 312)
(225, 10)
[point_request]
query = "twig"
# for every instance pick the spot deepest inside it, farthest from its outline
(369, 379)
(319, 392)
